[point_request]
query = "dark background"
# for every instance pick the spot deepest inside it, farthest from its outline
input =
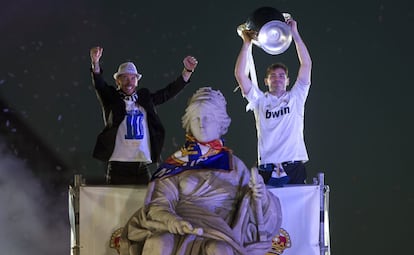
(357, 123)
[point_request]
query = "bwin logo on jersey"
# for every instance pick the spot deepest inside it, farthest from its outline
(282, 111)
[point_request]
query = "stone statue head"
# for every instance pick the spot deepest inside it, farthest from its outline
(206, 117)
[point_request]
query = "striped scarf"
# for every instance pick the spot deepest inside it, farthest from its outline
(133, 97)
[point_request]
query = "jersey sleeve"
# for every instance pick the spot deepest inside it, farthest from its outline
(253, 98)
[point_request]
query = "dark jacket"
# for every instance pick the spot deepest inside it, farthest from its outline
(113, 108)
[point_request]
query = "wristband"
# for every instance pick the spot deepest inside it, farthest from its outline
(188, 70)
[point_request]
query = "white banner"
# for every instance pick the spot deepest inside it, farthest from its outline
(103, 210)
(300, 220)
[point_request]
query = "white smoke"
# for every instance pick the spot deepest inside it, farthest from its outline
(32, 220)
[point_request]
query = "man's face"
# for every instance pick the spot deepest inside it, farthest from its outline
(203, 125)
(127, 83)
(277, 79)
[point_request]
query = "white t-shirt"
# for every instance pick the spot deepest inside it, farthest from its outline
(132, 142)
(279, 124)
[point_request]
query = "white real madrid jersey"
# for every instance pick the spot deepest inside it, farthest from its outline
(279, 124)
(132, 140)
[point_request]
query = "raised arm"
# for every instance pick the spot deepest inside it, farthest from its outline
(172, 89)
(96, 54)
(304, 74)
(190, 63)
(103, 90)
(241, 70)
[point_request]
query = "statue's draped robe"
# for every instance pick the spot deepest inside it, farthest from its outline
(218, 201)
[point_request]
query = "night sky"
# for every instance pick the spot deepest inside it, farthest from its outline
(357, 122)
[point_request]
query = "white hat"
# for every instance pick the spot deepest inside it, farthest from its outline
(127, 67)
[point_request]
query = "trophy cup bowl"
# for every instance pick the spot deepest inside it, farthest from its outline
(273, 35)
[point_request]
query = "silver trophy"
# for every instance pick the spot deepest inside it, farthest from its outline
(273, 35)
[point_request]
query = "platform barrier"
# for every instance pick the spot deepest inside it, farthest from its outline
(97, 214)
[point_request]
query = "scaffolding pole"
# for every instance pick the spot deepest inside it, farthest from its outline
(324, 237)
(74, 194)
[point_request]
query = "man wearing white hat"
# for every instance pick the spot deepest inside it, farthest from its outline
(133, 135)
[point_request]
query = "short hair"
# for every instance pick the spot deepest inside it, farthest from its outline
(276, 66)
(215, 101)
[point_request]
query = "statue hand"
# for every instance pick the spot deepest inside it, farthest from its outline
(180, 227)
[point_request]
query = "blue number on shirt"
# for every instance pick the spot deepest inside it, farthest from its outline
(134, 125)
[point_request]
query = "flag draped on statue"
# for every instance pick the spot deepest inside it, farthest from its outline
(196, 155)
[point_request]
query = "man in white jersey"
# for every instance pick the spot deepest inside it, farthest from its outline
(279, 113)
(133, 135)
